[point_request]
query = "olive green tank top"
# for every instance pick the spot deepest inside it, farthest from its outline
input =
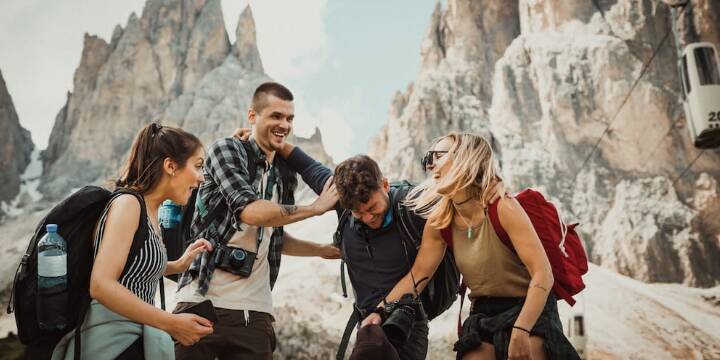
(488, 266)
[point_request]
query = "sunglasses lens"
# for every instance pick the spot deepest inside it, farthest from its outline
(426, 161)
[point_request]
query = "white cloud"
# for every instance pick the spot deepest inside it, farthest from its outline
(293, 44)
(291, 35)
(336, 132)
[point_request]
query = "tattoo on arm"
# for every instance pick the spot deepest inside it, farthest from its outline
(286, 210)
(540, 286)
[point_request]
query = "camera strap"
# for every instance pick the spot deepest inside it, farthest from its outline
(263, 192)
(266, 193)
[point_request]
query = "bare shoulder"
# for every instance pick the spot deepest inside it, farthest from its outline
(508, 207)
(125, 207)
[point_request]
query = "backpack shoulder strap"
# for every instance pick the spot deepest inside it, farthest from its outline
(185, 226)
(289, 181)
(338, 242)
(141, 233)
(403, 214)
(342, 220)
(447, 235)
(499, 230)
(251, 160)
(351, 324)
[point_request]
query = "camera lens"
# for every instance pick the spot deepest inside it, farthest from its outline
(239, 255)
(399, 324)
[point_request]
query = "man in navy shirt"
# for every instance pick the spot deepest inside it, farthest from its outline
(372, 242)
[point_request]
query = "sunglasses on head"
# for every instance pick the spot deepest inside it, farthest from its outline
(430, 157)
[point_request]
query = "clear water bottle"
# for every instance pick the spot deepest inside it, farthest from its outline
(52, 280)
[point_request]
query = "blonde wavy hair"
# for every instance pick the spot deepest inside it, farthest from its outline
(472, 168)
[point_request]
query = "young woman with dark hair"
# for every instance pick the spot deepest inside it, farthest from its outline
(164, 163)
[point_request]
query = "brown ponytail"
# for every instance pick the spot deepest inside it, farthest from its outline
(152, 145)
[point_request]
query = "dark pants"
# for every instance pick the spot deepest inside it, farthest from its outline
(417, 345)
(232, 337)
(135, 351)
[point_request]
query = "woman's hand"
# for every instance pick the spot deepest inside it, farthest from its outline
(188, 328)
(191, 252)
(519, 348)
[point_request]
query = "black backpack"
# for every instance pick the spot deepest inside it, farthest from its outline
(442, 289)
(76, 217)
(287, 177)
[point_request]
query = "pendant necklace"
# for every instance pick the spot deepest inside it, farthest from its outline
(469, 228)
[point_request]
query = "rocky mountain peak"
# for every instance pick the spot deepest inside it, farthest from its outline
(15, 147)
(560, 99)
(246, 48)
(208, 44)
(94, 54)
(174, 64)
(452, 90)
(433, 47)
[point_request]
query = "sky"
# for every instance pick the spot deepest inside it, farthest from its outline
(343, 59)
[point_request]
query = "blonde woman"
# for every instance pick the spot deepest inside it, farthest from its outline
(513, 314)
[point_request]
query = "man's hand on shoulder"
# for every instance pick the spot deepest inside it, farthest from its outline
(329, 252)
(327, 199)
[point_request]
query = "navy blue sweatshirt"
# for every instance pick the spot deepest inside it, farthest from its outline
(375, 259)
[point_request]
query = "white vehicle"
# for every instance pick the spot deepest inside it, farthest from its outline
(701, 87)
(576, 334)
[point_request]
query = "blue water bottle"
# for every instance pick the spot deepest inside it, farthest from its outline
(52, 280)
(170, 215)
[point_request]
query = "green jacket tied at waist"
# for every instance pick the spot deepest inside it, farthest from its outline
(105, 335)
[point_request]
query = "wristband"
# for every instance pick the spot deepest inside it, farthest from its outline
(523, 329)
(380, 311)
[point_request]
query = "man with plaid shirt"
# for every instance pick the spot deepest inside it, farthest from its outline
(241, 208)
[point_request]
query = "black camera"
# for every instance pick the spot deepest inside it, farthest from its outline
(402, 315)
(235, 260)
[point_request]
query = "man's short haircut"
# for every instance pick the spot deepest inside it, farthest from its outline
(259, 100)
(356, 179)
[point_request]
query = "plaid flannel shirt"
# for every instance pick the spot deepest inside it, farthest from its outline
(227, 183)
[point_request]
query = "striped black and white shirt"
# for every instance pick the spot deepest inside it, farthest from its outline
(143, 271)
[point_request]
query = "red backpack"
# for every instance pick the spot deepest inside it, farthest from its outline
(562, 244)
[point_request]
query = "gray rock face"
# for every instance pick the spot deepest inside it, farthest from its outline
(555, 89)
(246, 48)
(174, 64)
(453, 89)
(700, 21)
(15, 147)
